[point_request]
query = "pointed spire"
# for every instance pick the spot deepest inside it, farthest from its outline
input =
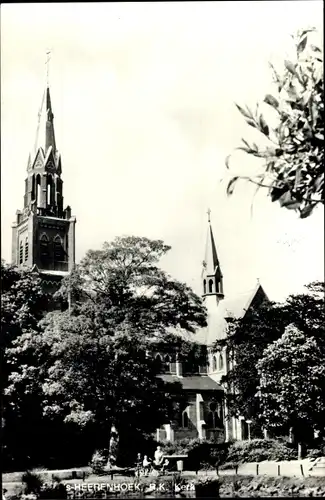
(49, 133)
(211, 261)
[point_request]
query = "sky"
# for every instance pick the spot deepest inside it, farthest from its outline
(144, 97)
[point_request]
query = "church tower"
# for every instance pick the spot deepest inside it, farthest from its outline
(43, 235)
(212, 280)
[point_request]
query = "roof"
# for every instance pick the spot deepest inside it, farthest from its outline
(235, 307)
(194, 383)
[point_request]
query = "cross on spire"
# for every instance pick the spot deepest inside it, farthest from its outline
(48, 57)
(209, 214)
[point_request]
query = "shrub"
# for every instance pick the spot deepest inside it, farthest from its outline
(258, 450)
(200, 454)
(98, 462)
(32, 483)
(314, 453)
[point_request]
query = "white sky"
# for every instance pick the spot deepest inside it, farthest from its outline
(143, 96)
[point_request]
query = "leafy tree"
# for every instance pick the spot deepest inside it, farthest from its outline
(293, 158)
(292, 384)
(92, 366)
(245, 342)
(248, 337)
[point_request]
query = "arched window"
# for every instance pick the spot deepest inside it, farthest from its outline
(185, 419)
(58, 248)
(38, 190)
(167, 362)
(214, 363)
(212, 416)
(44, 247)
(26, 249)
(159, 361)
(220, 361)
(204, 286)
(33, 187)
(21, 253)
(210, 286)
(49, 190)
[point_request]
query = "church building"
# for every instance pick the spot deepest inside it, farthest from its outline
(205, 416)
(43, 235)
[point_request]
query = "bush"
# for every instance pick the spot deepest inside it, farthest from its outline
(98, 462)
(258, 450)
(314, 453)
(32, 483)
(207, 454)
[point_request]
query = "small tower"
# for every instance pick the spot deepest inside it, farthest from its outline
(212, 283)
(43, 235)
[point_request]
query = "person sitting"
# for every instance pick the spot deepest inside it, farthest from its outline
(164, 465)
(146, 464)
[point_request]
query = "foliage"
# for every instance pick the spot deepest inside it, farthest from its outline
(93, 366)
(99, 461)
(125, 285)
(293, 159)
(258, 450)
(315, 453)
(292, 383)
(32, 482)
(247, 338)
(201, 454)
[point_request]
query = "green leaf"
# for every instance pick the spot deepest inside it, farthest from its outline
(306, 211)
(264, 126)
(272, 101)
(246, 114)
(231, 185)
(302, 45)
(290, 67)
(287, 201)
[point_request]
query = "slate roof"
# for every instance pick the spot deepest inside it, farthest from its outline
(194, 383)
(235, 307)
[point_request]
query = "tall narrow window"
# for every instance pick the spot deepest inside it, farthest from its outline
(38, 191)
(220, 361)
(210, 286)
(185, 419)
(58, 248)
(214, 363)
(21, 253)
(44, 247)
(26, 249)
(204, 286)
(49, 190)
(159, 361)
(33, 187)
(212, 416)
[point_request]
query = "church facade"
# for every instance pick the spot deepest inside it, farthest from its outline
(206, 414)
(43, 234)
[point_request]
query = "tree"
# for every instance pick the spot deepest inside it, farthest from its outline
(23, 304)
(292, 384)
(93, 366)
(293, 159)
(248, 337)
(245, 342)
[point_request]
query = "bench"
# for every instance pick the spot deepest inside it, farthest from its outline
(174, 459)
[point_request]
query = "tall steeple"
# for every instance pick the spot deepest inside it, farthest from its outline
(44, 232)
(49, 132)
(211, 272)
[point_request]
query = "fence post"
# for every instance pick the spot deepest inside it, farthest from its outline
(302, 469)
(278, 469)
(236, 469)
(257, 468)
